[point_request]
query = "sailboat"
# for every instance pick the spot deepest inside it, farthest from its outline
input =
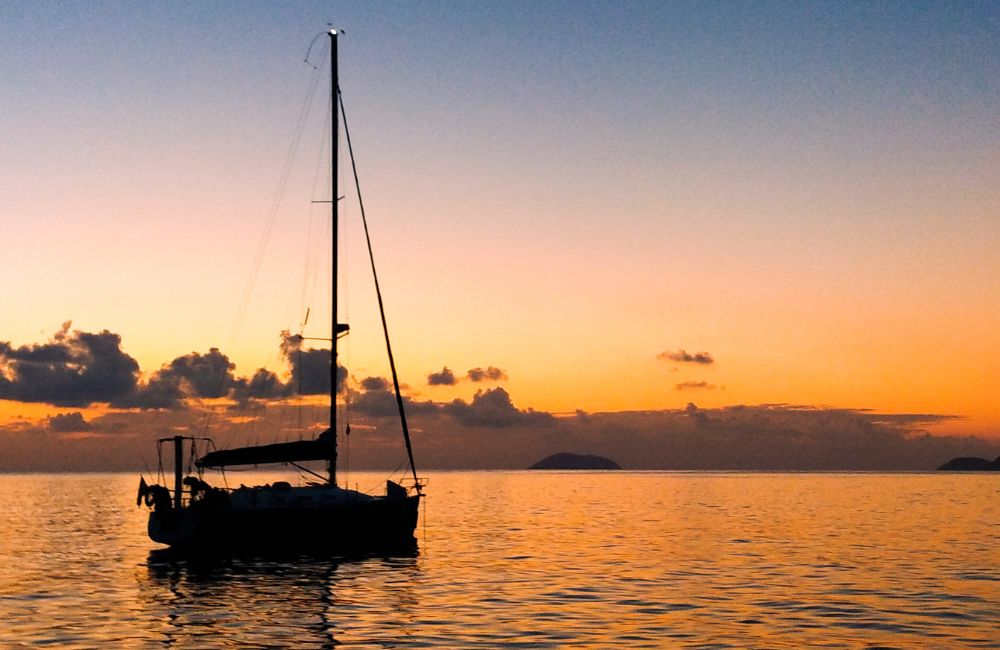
(279, 516)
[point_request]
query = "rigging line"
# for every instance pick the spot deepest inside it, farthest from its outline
(305, 59)
(272, 214)
(378, 294)
(310, 271)
(391, 475)
(308, 471)
(310, 267)
(160, 476)
(276, 201)
(209, 413)
(142, 457)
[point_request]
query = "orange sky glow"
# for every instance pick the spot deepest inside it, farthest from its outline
(829, 233)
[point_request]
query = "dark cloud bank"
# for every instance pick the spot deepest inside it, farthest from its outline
(73, 369)
(77, 369)
(80, 368)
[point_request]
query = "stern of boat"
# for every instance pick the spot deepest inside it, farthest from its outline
(173, 527)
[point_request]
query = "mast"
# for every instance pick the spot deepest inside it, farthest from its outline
(334, 133)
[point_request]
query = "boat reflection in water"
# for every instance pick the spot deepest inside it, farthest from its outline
(294, 599)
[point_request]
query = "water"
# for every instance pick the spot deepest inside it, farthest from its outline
(535, 560)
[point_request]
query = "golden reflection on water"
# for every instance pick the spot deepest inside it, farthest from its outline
(536, 559)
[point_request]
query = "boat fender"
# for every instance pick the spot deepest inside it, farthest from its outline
(158, 497)
(198, 487)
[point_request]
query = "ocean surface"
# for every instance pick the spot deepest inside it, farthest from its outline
(528, 559)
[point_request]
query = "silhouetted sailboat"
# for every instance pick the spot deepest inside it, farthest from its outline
(280, 516)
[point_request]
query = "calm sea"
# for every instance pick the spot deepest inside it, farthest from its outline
(534, 560)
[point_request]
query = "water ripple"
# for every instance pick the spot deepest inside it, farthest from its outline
(533, 560)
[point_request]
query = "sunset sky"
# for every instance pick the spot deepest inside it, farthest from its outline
(621, 206)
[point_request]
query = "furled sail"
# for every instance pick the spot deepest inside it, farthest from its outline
(283, 452)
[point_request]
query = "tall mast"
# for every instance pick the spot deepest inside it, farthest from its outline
(334, 133)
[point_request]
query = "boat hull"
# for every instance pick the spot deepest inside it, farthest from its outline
(367, 525)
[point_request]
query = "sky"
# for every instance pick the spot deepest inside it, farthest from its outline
(621, 208)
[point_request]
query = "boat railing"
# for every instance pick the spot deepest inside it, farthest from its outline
(414, 484)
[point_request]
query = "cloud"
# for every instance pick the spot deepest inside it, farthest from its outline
(82, 368)
(486, 374)
(377, 403)
(264, 385)
(208, 376)
(490, 432)
(694, 385)
(444, 378)
(774, 436)
(79, 368)
(160, 392)
(374, 383)
(682, 356)
(68, 422)
(374, 399)
(493, 408)
(696, 414)
(310, 368)
(377, 400)
(73, 369)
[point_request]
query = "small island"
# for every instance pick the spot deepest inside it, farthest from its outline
(566, 460)
(971, 464)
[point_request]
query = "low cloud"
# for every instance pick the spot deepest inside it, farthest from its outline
(444, 378)
(486, 374)
(375, 403)
(681, 356)
(375, 399)
(490, 408)
(493, 408)
(68, 423)
(489, 431)
(160, 392)
(264, 385)
(696, 414)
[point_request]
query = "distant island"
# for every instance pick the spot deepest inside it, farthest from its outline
(971, 464)
(575, 461)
